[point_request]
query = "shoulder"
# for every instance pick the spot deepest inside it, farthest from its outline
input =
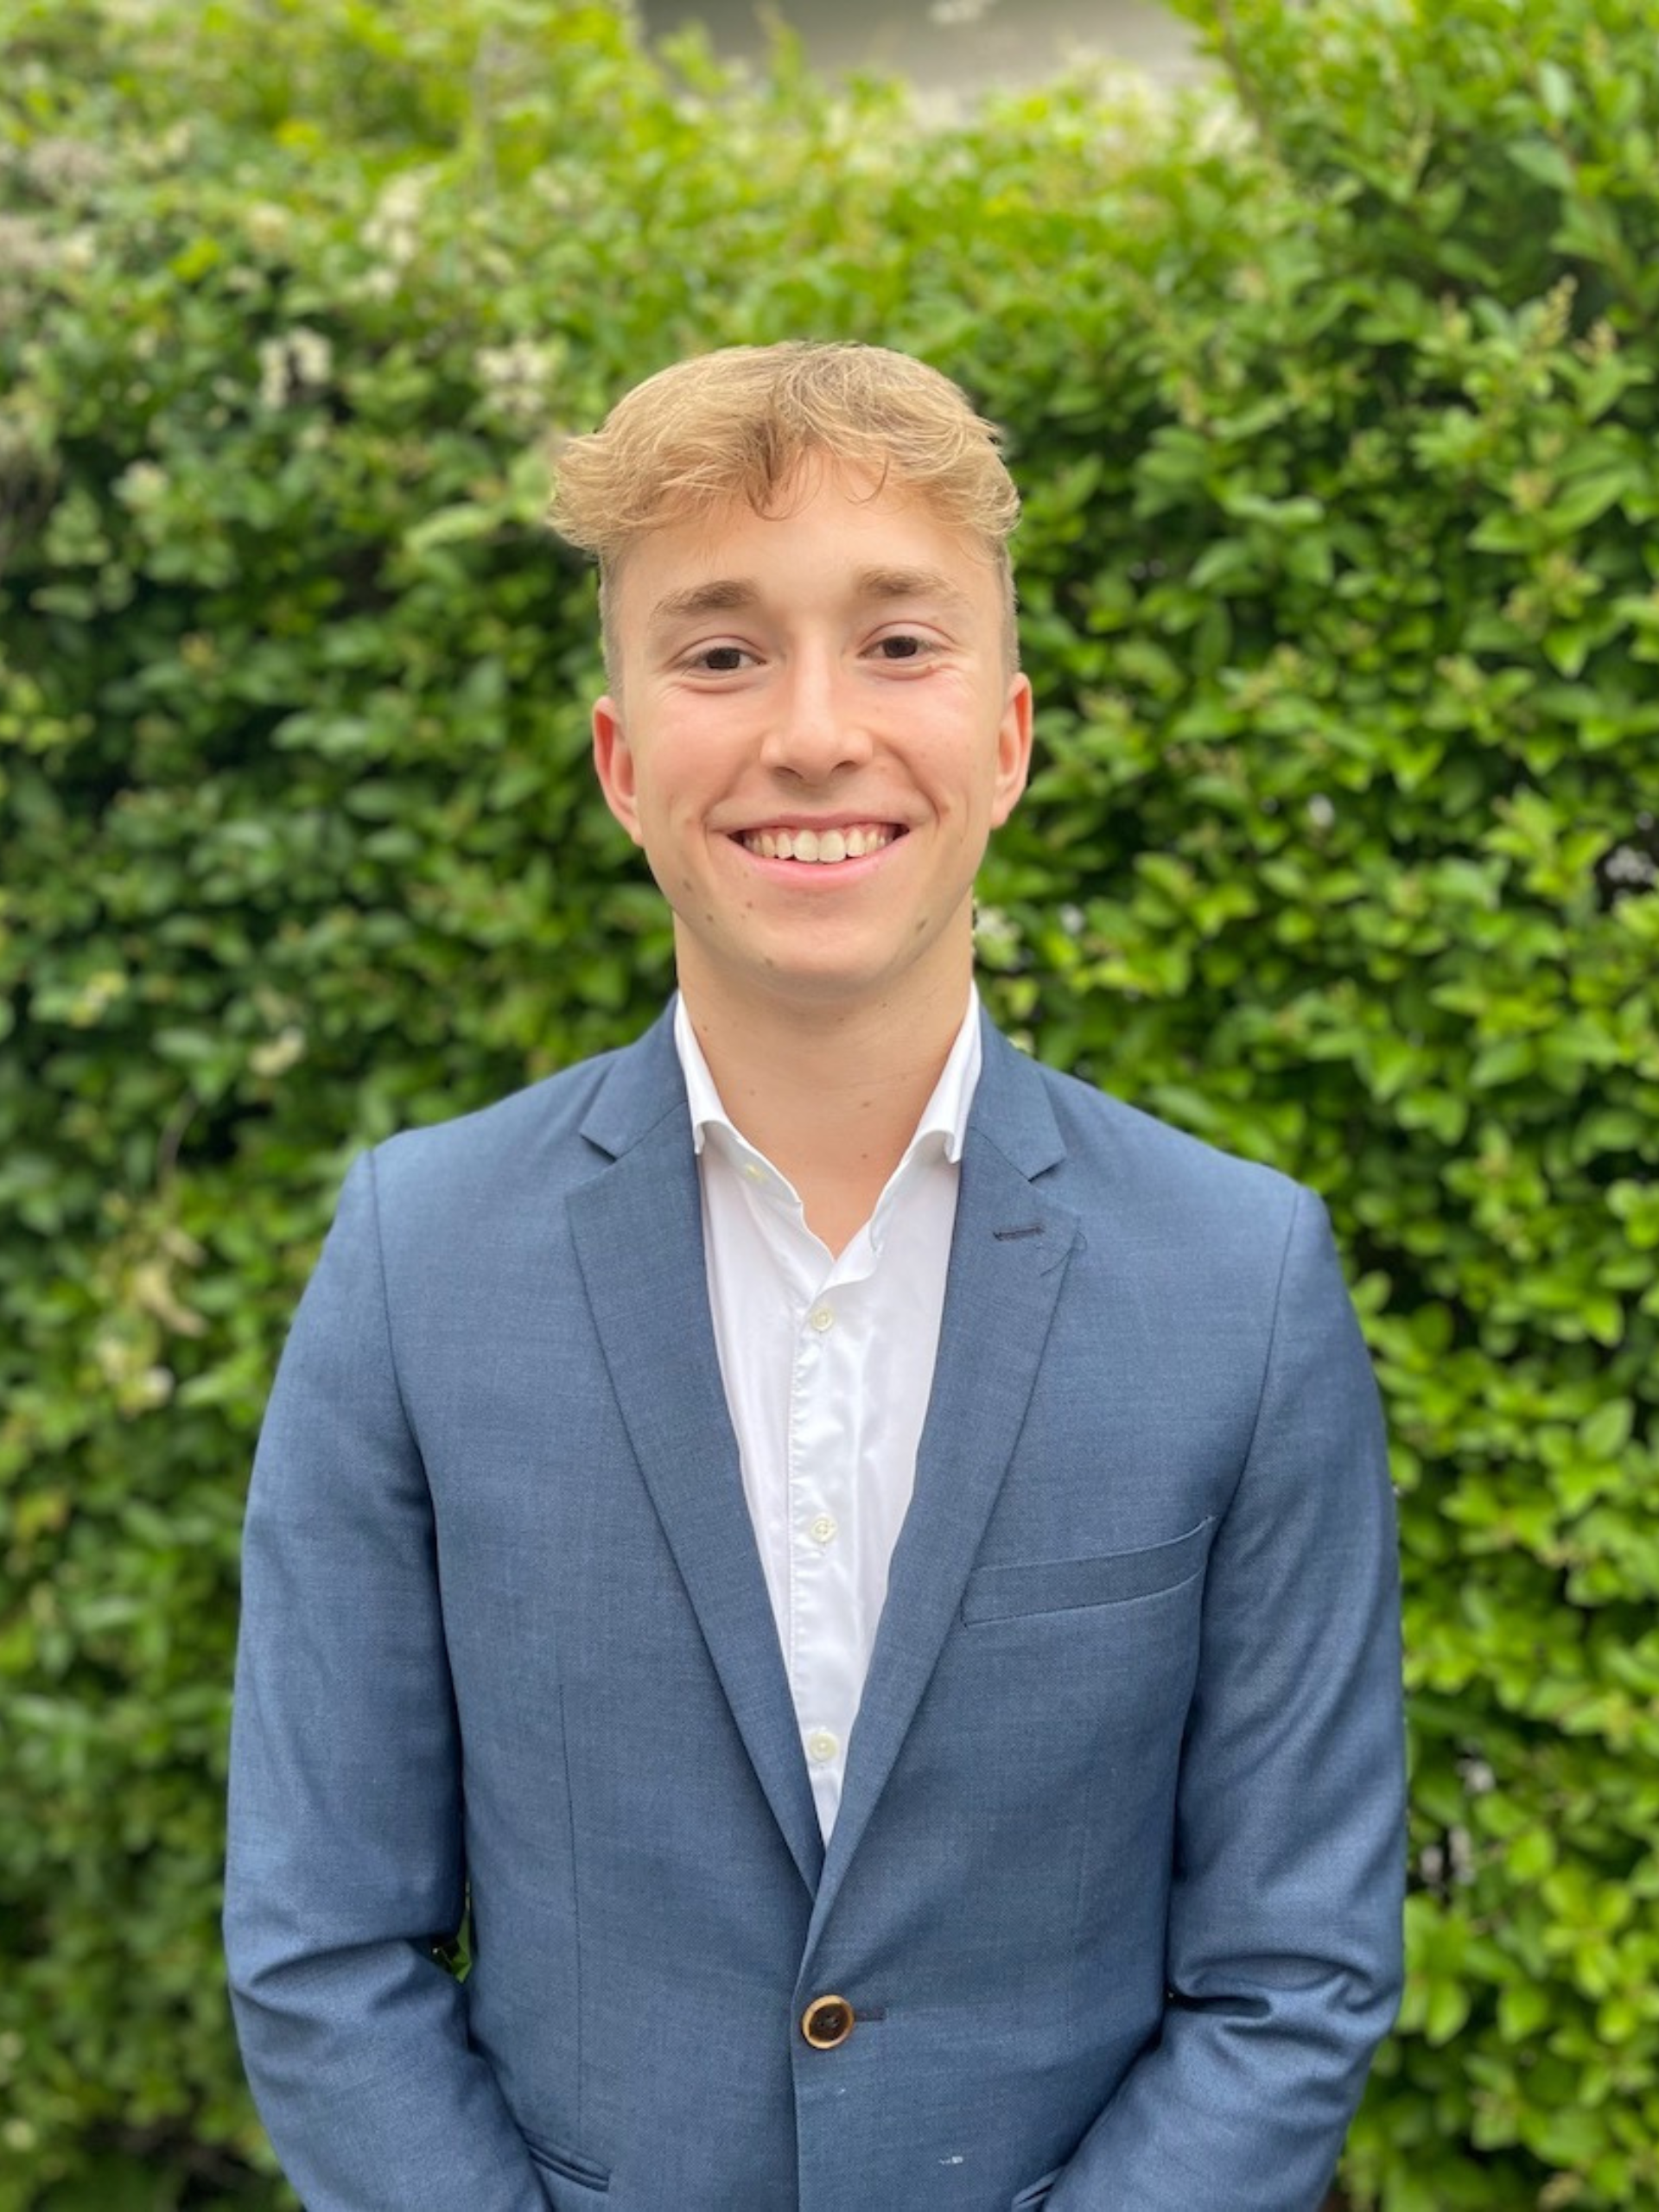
(1215, 1249)
(1086, 1142)
(1143, 1192)
(545, 1116)
(1106, 1135)
(533, 1145)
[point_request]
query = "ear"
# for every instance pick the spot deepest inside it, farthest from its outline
(613, 765)
(1013, 750)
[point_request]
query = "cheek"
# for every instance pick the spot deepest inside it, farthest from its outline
(692, 771)
(971, 788)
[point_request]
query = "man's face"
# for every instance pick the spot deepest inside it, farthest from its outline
(812, 736)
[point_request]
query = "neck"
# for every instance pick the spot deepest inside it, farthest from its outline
(832, 1095)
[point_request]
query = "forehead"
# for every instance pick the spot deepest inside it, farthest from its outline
(832, 538)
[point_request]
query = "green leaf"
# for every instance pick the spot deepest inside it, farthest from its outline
(1607, 1431)
(1522, 2011)
(1543, 161)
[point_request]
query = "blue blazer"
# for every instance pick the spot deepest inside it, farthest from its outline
(1114, 1893)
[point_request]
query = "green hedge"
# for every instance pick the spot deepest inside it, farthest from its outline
(1335, 406)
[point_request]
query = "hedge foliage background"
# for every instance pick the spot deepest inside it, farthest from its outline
(1334, 401)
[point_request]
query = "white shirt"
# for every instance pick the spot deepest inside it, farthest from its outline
(827, 1365)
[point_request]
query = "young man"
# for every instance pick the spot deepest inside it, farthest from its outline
(871, 1563)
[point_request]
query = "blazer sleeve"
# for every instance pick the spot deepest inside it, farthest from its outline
(345, 1853)
(1284, 1944)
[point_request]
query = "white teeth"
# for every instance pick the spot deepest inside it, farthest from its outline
(820, 847)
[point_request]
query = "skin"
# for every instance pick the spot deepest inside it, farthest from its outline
(837, 665)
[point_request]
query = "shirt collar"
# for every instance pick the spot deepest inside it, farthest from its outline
(944, 1115)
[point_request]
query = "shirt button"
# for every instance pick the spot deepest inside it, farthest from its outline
(823, 1530)
(822, 1745)
(755, 1171)
(822, 1319)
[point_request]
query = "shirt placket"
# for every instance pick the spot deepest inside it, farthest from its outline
(825, 1458)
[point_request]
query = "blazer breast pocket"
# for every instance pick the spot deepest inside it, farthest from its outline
(1064, 1585)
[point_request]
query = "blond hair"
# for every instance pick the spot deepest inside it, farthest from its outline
(739, 425)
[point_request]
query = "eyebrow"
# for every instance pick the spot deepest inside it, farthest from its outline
(719, 597)
(871, 586)
(878, 584)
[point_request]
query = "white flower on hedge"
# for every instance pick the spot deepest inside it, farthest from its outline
(278, 1054)
(268, 226)
(312, 355)
(300, 357)
(1321, 812)
(515, 379)
(1630, 864)
(994, 933)
(141, 485)
(28, 248)
(61, 169)
(393, 230)
(273, 382)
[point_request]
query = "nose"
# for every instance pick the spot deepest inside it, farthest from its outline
(816, 730)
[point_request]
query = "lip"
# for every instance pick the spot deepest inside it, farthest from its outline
(818, 823)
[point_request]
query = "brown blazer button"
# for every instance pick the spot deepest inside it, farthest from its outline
(826, 2022)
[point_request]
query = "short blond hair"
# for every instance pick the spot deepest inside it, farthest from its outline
(739, 425)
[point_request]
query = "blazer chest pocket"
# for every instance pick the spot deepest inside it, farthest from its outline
(1065, 1585)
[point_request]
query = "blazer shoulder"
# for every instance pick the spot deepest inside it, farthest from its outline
(1133, 1161)
(533, 1144)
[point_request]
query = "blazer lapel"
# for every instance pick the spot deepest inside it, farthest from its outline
(637, 1227)
(1007, 1259)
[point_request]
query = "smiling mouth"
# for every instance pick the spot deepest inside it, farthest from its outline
(823, 848)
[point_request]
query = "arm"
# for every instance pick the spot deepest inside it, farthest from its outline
(346, 1856)
(1283, 1961)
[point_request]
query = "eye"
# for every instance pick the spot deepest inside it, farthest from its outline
(721, 658)
(901, 644)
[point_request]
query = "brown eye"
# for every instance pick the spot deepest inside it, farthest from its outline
(901, 648)
(721, 660)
